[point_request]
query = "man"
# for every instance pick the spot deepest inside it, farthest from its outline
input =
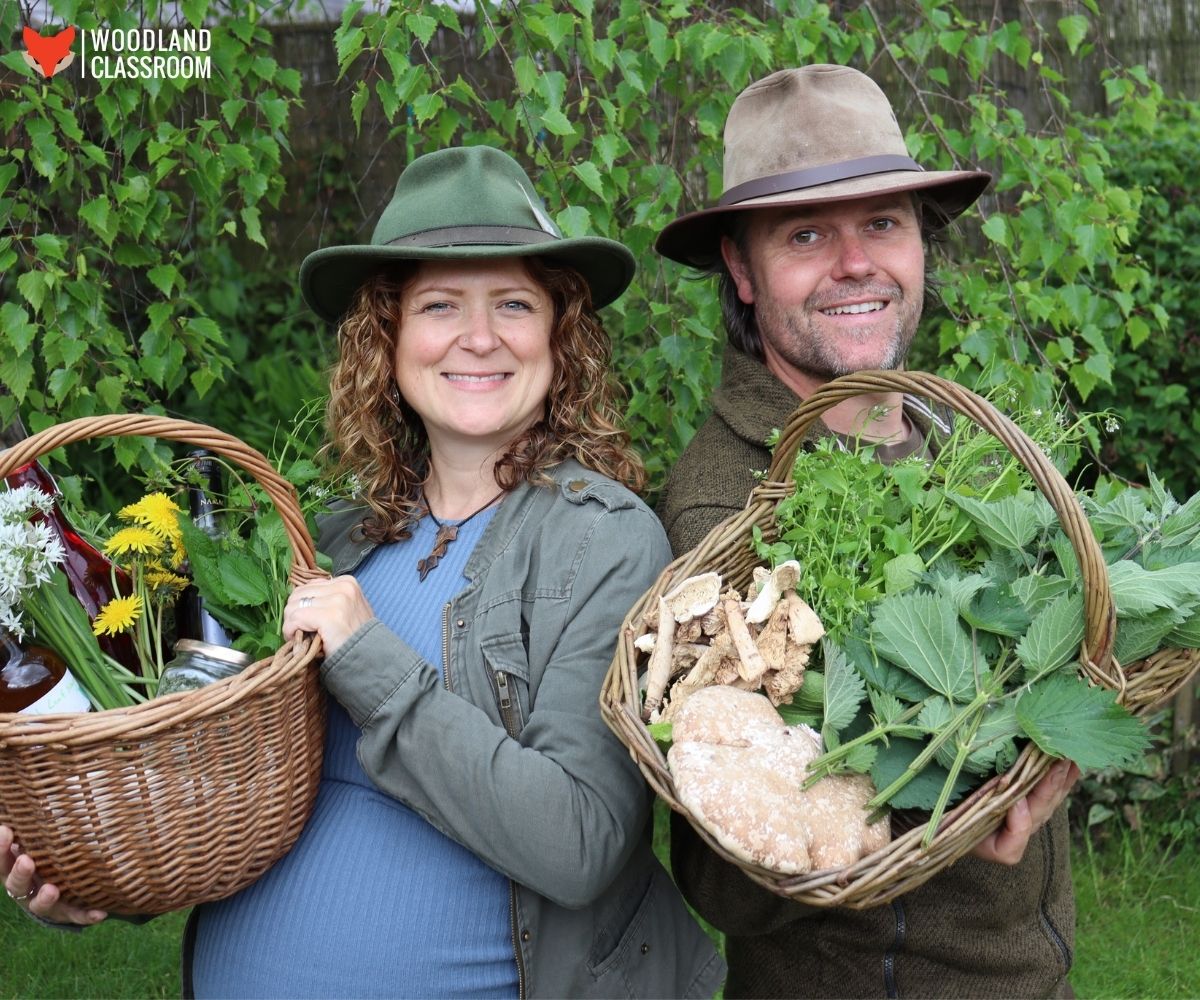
(819, 244)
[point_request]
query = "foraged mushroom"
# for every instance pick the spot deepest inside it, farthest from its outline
(803, 623)
(739, 771)
(779, 581)
(659, 670)
(752, 666)
(695, 596)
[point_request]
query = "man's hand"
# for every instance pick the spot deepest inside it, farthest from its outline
(1007, 845)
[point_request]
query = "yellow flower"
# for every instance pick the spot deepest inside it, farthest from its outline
(117, 615)
(136, 540)
(159, 576)
(158, 513)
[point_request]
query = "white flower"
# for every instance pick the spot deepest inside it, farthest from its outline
(1112, 425)
(29, 552)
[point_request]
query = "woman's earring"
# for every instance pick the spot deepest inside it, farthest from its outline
(394, 394)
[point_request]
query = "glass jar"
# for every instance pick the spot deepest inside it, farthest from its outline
(197, 664)
(35, 680)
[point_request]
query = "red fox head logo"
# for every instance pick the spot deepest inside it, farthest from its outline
(46, 56)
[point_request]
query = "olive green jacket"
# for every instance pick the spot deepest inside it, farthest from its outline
(974, 930)
(510, 756)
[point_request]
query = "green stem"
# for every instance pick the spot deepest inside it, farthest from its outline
(964, 751)
(925, 756)
(826, 762)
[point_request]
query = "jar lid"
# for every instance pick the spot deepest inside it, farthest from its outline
(233, 657)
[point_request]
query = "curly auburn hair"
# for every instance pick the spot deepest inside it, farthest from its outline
(375, 435)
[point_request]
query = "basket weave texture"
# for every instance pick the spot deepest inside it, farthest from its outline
(903, 864)
(185, 798)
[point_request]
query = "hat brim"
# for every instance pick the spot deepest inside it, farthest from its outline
(694, 239)
(330, 277)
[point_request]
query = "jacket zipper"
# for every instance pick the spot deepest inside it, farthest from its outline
(889, 957)
(516, 942)
(507, 715)
(1043, 913)
(446, 647)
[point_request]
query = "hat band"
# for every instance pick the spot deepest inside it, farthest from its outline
(797, 180)
(451, 236)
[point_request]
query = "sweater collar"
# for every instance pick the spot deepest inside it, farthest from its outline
(750, 399)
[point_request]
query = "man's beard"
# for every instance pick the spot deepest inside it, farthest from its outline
(796, 336)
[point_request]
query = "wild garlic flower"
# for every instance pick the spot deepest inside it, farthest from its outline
(29, 552)
(1111, 425)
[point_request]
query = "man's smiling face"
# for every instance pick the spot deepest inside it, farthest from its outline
(836, 287)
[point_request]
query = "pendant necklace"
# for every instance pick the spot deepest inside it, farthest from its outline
(446, 533)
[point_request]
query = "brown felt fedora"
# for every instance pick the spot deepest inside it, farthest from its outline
(814, 134)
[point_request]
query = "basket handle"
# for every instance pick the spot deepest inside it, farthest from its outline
(282, 493)
(1099, 616)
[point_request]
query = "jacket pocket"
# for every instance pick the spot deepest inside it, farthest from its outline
(507, 664)
(607, 956)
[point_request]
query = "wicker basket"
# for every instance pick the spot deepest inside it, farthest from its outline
(904, 864)
(186, 798)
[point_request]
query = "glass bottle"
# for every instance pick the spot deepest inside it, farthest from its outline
(34, 680)
(197, 664)
(88, 571)
(192, 618)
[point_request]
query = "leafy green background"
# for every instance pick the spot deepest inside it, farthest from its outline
(148, 230)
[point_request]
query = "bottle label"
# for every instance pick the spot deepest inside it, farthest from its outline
(65, 696)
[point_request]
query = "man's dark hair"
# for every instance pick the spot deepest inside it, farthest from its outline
(740, 325)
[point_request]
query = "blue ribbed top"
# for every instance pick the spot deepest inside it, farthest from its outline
(372, 901)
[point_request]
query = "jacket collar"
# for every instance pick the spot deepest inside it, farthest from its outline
(750, 399)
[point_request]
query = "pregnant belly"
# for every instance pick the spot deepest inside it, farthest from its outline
(371, 902)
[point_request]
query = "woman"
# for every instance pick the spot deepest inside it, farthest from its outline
(478, 830)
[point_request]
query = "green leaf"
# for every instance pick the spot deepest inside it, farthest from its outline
(1137, 591)
(1054, 635)
(243, 579)
(557, 123)
(923, 790)
(844, 689)
(1067, 718)
(1011, 522)
(1036, 591)
(902, 572)
(923, 635)
(999, 611)
(164, 277)
(574, 221)
(1074, 29)
(1137, 638)
(590, 175)
(996, 230)
(881, 675)
(1187, 635)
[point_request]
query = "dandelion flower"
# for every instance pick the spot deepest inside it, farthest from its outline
(118, 615)
(161, 577)
(135, 540)
(157, 512)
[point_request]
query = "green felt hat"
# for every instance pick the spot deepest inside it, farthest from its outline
(464, 203)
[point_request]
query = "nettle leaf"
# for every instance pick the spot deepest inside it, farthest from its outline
(204, 561)
(923, 790)
(993, 746)
(923, 635)
(1127, 509)
(881, 674)
(1067, 718)
(1137, 638)
(999, 611)
(1011, 523)
(959, 590)
(1137, 591)
(791, 716)
(243, 579)
(1054, 636)
(1181, 526)
(1187, 635)
(1036, 591)
(1064, 552)
(844, 688)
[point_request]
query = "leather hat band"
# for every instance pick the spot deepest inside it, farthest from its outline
(453, 236)
(797, 180)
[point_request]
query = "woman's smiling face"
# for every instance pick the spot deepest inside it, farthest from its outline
(473, 350)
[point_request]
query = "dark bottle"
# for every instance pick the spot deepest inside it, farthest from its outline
(88, 571)
(192, 619)
(34, 680)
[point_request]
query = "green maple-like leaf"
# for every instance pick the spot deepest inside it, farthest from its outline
(924, 636)
(1067, 718)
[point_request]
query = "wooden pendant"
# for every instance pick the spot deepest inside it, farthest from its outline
(445, 535)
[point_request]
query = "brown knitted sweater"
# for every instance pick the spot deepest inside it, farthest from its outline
(974, 930)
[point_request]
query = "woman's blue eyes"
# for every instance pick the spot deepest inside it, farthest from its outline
(512, 305)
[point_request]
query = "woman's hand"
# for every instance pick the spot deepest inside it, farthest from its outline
(1007, 845)
(334, 609)
(41, 900)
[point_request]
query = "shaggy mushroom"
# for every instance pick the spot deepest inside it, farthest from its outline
(739, 771)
